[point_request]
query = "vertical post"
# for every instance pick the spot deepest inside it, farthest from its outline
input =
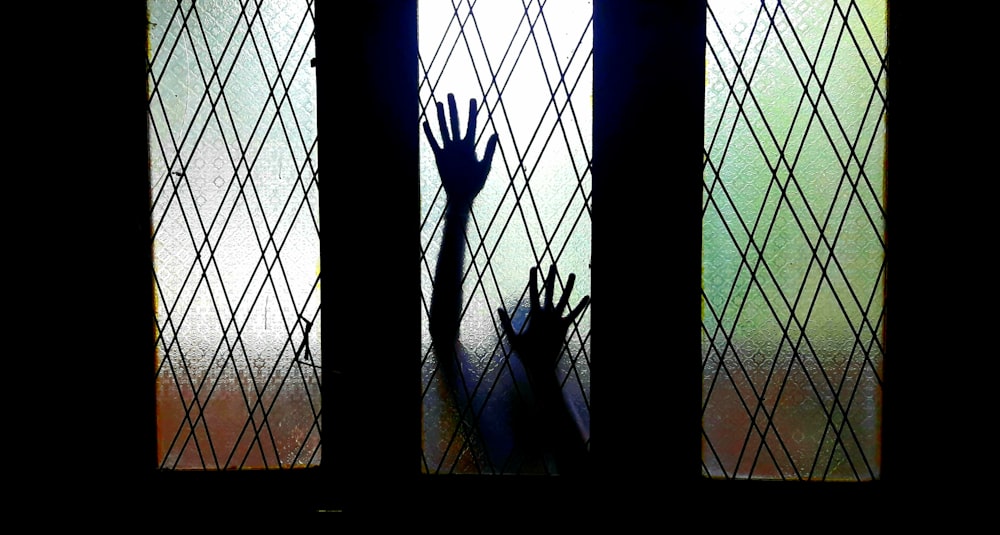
(648, 104)
(367, 122)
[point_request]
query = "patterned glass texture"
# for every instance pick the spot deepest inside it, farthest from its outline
(794, 239)
(235, 233)
(529, 65)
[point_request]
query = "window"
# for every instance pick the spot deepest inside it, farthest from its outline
(529, 67)
(367, 396)
(794, 239)
(235, 228)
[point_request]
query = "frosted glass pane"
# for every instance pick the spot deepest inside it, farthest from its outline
(793, 239)
(531, 72)
(235, 234)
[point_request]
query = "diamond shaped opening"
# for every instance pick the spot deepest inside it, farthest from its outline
(235, 234)
(794, 253)
(530, 68)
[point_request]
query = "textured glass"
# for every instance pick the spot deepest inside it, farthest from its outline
(793, 239)
(235, 233)
(529, 65)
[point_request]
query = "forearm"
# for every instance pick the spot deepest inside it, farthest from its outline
(562, 432)
(446, 299)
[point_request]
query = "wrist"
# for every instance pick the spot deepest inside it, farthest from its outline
(543, 378)
(458, 207)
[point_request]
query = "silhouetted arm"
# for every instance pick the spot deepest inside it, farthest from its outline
(538, 347)
(462, 176)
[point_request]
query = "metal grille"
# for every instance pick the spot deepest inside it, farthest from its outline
(235, 233)
(793, 236)
(529, 66)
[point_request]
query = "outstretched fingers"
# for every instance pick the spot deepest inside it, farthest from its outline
(442, 124)
(470, 131)
(578, 310)
(564, 300)
(453, 110)
(533, 288)
(508, 329)
(430, 138)
(491, 146)
(550, 282)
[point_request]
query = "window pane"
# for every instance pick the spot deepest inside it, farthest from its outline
(235, 233)
(529, 67)
(794, 239)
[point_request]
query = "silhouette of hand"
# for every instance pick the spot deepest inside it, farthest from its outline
(462, 174)
(539, 344)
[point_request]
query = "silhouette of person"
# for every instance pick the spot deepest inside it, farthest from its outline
(526, 419)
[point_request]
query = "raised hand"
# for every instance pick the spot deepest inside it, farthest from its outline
(462, 174)
(539, 344)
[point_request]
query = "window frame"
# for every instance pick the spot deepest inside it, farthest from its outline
(384, 63)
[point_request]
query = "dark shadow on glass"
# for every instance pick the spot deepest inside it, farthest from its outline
(527, 422)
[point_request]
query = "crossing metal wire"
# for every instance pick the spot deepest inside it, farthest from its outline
(794, 245)
(528, 64)
(235, 233)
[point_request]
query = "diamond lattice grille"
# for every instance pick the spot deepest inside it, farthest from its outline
(529, 66)
(235, 233)
(793, 239)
